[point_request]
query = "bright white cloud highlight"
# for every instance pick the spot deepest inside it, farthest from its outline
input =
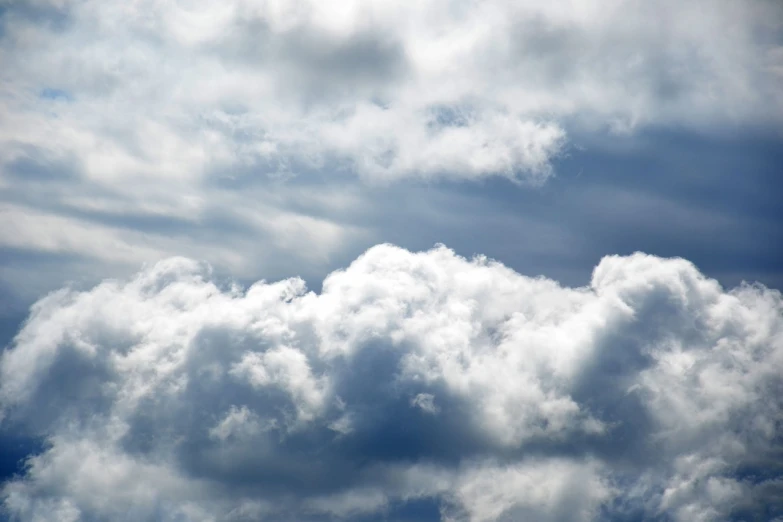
(411, 376)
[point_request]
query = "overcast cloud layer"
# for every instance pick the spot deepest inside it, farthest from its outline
(412, 377)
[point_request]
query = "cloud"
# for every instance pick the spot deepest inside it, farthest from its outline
(425, 401)
(192, 129)
(390, 91)
(411, 377)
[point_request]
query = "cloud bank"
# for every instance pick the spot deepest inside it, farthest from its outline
(412, 379)
(388, 90)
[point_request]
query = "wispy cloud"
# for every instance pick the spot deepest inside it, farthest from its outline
(180, 127)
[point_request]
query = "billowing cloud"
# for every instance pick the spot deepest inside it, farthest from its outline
(411, 378)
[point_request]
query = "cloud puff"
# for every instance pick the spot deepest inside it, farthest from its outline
(412, 377)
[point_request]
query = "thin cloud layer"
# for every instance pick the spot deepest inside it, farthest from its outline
(411, 378)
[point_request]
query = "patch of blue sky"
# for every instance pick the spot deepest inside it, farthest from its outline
(53, 93)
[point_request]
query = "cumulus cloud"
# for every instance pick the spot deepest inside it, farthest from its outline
(411, 377)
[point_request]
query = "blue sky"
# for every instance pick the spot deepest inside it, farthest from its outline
(445, 260)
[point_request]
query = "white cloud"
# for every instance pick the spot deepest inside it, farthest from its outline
(563, 489)
(285, 368)
(240, 423)
(425, 401)
(410, 376)
(124, 120)
(154, 89)
(24, 228)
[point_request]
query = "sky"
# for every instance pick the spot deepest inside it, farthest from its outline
(434, 261)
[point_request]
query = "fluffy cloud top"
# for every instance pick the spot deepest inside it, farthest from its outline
(412, 377)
